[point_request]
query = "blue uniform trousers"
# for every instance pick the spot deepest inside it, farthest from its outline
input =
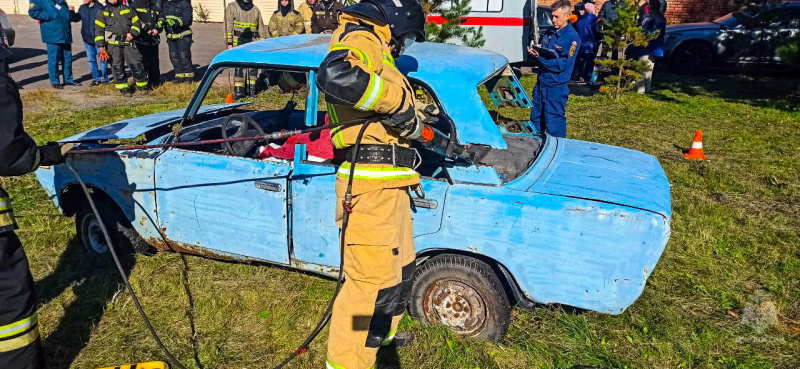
(548, 113)
(59, 54)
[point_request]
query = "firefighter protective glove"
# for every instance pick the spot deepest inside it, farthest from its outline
(404, 122)
(103, 54)
(53, 153)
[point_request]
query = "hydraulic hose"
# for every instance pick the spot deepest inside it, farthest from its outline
(346, 207)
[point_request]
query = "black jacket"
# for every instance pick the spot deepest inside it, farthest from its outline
(18, 152)
(180, 11)
(148, 12)
(325, 17)
(87, 15)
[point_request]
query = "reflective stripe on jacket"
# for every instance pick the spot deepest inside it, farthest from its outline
(291, 24)
(359, 79)
(179, 13)
(114, 23)
(243, 26)
(306, 11)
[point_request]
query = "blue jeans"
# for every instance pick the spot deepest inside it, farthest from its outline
(59, 54)
(98, 68)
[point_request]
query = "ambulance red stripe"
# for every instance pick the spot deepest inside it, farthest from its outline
(485, 21)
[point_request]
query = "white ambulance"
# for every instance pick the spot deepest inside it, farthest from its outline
(507, 25)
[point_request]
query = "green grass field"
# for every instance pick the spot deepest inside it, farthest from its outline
(735, 239)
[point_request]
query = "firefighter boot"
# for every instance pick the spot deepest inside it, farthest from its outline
(400, 340)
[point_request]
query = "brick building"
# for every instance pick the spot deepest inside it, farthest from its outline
(684, 11)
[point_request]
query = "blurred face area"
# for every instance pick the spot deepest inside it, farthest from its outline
(87, 2)
(113, 2)
(311, 2)
(560, 17)
(284, 2)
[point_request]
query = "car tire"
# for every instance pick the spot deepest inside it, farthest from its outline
(692, 58)
(125, 238)
(464, 294)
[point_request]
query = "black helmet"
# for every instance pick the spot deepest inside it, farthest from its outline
(404, 17)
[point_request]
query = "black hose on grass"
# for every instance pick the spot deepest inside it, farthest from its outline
(326, 317)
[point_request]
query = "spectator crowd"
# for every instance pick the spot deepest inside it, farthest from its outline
(125, 34)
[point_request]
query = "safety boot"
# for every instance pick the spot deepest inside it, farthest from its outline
(401, 339)
(126, 92)
(238, 93)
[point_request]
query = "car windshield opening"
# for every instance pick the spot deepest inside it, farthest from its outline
(273, 99)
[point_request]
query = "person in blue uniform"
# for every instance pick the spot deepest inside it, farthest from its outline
(588, 32)
(551, 92)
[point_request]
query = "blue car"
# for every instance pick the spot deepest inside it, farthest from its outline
(541, 220)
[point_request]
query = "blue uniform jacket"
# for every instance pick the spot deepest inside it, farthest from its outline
(588, 32)
(655, 47)
(54, 18)
(565, 42)
(88, 14)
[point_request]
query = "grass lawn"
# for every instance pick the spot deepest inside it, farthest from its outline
(735, 239)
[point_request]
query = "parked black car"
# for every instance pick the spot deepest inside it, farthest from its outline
(728, 43)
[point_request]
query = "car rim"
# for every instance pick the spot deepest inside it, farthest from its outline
(93, 234)
(457, 305)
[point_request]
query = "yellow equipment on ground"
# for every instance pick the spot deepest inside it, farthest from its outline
(147, 365)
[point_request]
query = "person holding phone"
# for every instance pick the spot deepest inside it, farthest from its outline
(556, 58)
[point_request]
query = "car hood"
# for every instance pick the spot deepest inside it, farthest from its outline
(135, 127)
(606, 173)
(703, 26)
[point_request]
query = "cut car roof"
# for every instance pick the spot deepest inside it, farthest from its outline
(453, 72)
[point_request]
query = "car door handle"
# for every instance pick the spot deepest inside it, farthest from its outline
(425, 203)
(268, 186)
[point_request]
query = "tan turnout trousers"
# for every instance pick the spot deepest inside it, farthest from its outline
(379, 269)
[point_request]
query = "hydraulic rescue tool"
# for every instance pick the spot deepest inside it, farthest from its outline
(430, 138)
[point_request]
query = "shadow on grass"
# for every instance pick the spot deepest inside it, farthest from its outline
(94, 281)
(767, 92)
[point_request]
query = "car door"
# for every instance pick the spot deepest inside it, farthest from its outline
(230, 207)
(315, 235)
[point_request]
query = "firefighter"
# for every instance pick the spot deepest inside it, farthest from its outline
(360, 80)
(148, 40)
(176, 21)
(306, 10)
(326, 16)
(115, 28)
(285, 21)
(243, 24)
(20, 346)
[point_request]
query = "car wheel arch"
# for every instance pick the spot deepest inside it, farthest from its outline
(689, 41)
(512, 289)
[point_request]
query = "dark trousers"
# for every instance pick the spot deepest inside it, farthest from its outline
(180, 54)
(549, 111)
(127, 54)
(584, 66)
(18, 308)
(150, 63)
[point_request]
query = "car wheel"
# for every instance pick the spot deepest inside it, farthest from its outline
(692, 58)
(462, 293)
(124, 237)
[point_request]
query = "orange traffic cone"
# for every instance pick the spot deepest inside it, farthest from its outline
(696, 151)
(229, 98)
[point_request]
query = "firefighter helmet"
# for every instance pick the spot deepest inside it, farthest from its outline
(405, 18)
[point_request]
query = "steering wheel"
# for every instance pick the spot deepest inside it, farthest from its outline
(246, 127)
